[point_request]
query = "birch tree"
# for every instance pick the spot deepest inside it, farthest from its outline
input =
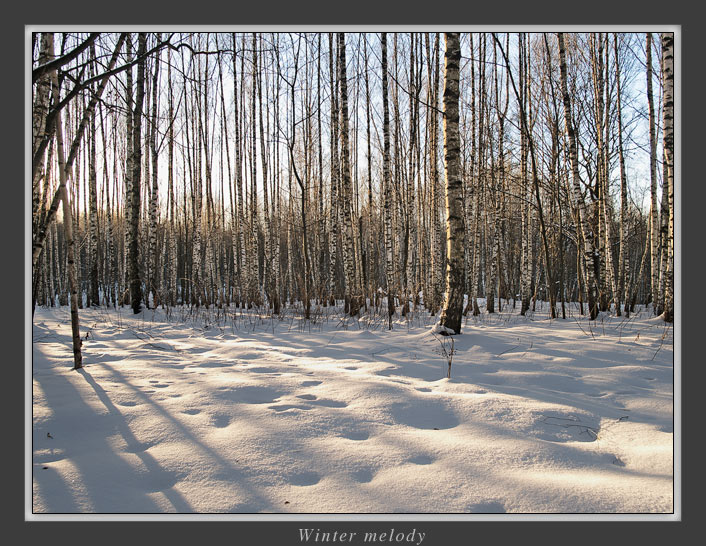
(352, 281)
(453, 304)
(153, 258)
(93, 297)
(623, 255)
(68, 222)
(654, 209)
(133, 271)
(583, 229)
(436, 265)
(387, 187)
(334, 225)
(668, 145)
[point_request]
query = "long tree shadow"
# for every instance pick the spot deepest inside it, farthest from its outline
(106, 479)
(53, 490)
(236, 476)
(156, 474)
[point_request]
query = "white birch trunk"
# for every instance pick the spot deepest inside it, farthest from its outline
(668, 145)
(68, 224)
(387, 188)
(453, 305)
(352, 284)
(583, 228)
(153, 258)
(654, 209)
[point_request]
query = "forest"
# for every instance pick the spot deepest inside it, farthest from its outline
(380, 177)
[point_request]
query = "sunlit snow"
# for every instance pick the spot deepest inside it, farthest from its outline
(226, 412)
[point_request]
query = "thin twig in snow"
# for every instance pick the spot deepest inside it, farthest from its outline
(664, 335)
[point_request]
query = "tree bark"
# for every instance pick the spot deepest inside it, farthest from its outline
(453, 305)
(334, 179)
(436, 247)
(93, 296)
(135, 283)
(582, 217)
(668, 145)
(623, 259)
(352, 286)
(387, 188)
(526, 232)
(68, 226)
(654, 210)
(154, 278)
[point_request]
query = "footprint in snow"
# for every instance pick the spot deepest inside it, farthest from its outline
(285, 407)
(269, 371)
(249, 356)
(597, 394)
(427, 414)
(364, 475)
(220, 420)
(356, 435)
(304, 478)
(250, 394)
(214, 365)
(330, 403)
(421, 459)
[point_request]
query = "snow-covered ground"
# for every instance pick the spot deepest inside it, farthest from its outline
(206, 412)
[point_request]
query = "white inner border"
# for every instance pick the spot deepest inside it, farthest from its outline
(677, 478)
